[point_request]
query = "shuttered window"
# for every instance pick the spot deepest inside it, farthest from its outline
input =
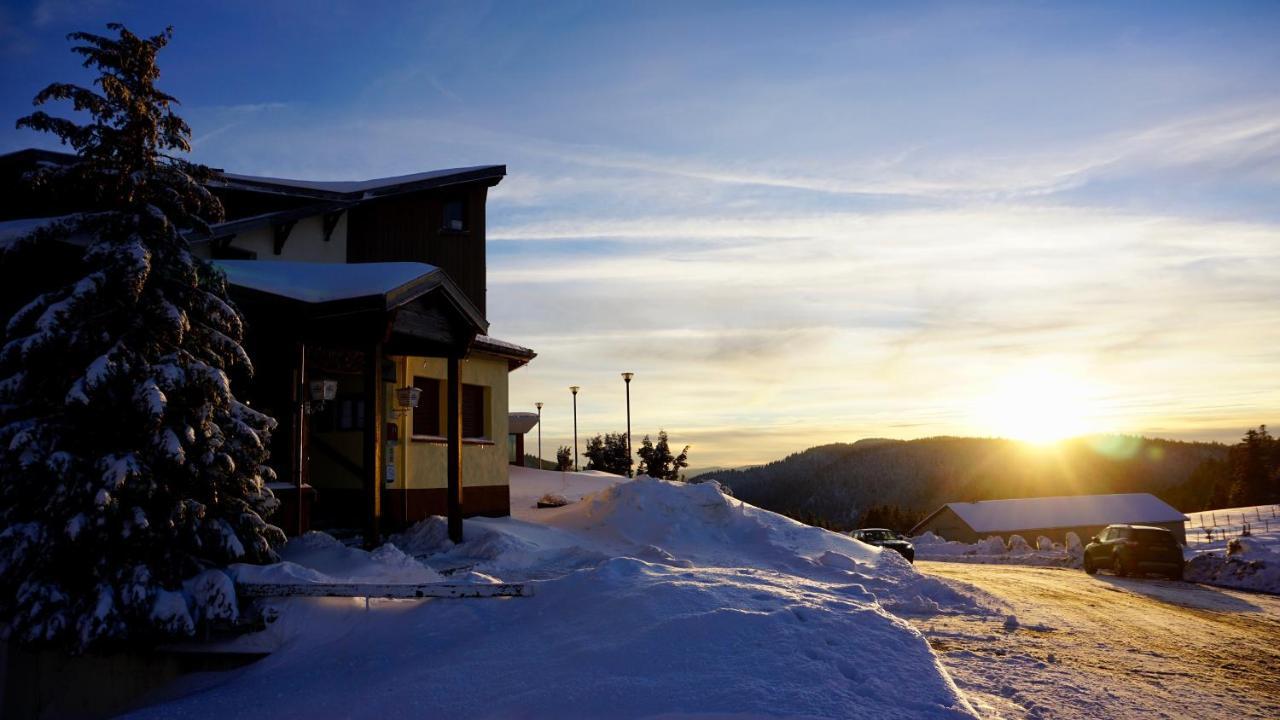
(426, 417)
(473, 411)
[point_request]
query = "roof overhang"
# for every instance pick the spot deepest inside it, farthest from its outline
(516, 356)
(520, 423)
(362, 189)
(411, 308)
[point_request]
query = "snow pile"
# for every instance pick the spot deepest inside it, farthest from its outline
(1247, 565)
(529, 485)
(651, 599)
(993, 550)
(319, 558)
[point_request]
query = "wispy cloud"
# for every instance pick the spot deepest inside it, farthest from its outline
(902, 319)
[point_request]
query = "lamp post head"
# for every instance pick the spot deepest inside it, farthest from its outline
(538, 405)
(627, 376)
(574, 389)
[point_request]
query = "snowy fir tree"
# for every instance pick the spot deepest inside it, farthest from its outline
(129, 472)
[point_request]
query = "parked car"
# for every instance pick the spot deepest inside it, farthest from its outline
(1134, 550)
(881, 537)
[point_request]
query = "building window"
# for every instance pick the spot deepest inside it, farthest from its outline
(454, 215)
(426, 417)
(473, 411)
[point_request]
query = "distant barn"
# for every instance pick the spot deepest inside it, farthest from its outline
(1053, 517)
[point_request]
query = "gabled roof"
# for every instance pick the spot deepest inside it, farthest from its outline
(384, 285)
(1061, 512)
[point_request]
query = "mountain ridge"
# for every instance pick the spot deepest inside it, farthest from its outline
(837, 483)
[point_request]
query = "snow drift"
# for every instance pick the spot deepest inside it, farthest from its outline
(651, 599)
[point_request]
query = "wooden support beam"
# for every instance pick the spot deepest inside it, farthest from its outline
(331, 223)
(281, 232)
(453, 451)
(222, 242)
(373, 413)
(382, 590)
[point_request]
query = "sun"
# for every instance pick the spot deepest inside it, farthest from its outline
(1038, 405)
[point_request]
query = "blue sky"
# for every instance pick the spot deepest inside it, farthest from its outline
(796, 222)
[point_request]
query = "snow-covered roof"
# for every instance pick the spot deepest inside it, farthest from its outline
(521, 422)
(323, 282)
(518, 355)
(11, 230)
(1066, 511)
(354, 189)
(497, 344)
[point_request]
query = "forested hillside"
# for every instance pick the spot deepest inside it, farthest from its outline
(837, 485)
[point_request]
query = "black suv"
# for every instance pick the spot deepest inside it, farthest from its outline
(886, 538)
(1134, 550)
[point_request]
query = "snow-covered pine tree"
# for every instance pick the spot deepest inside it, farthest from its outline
(129, 472)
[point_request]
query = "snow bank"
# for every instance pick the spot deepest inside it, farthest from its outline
(319, 558)
(528, 485)
(651, 599)
(1246, 564)
(993, 551)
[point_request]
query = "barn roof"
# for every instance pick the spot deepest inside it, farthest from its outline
(1064, 511)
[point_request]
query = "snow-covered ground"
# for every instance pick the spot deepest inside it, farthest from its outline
(1253, 564)
(650, 599)
(1213, 529)
(994, 551)
(1064, 644)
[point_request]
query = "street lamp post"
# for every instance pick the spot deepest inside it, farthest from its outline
(539, 406)
(574, 389)
(626, 377)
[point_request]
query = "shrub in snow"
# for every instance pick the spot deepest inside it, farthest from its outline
(129, 468)
(552, 500)
(1018, 545)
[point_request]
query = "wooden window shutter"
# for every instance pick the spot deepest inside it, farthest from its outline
(473, 411)
(426, 417)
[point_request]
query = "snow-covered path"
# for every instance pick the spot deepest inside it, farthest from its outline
(1102, 646)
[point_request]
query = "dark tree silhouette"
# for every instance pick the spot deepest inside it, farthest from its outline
(608, 453)
(658, 462)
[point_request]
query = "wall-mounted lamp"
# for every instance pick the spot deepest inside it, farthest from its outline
(407, 399)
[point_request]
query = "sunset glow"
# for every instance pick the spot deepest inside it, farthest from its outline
(794, 244)
(1039, 406)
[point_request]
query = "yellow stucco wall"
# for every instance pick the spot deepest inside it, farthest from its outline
(306, 242)
(422, 464)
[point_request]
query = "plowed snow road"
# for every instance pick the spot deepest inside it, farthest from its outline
(1107, 647)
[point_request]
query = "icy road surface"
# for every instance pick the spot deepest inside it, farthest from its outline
(1062, 644)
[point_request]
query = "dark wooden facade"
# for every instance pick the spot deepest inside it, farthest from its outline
(410, 228)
